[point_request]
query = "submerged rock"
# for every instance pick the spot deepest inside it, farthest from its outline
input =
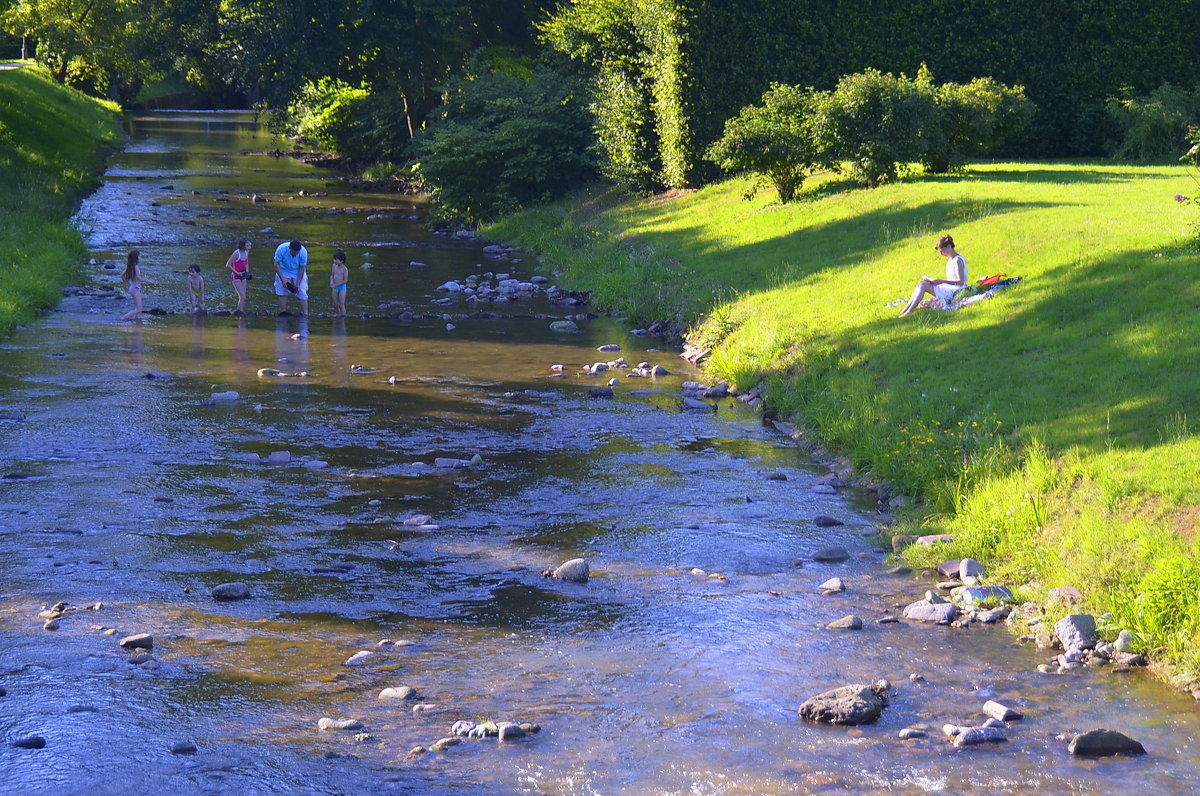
(1001, 712)
(848, 622)
(971, 736)
(831, 555)
(326, 724)
(850, 704)
(140, 641)
(231, 591)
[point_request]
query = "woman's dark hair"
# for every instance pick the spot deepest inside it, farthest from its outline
(241, 244)
(131, 262)
(945, 242)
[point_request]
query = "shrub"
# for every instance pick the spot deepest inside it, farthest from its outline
(877, 122)
(972, 118)
(502, 141)
(773, 140)
(1151, 128)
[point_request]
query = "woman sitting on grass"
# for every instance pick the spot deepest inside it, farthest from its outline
(941, 289)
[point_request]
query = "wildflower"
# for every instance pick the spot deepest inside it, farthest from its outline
(1179, 197)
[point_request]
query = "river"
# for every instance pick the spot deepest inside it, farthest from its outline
(130, 498)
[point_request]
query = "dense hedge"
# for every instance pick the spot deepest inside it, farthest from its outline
(699, 61)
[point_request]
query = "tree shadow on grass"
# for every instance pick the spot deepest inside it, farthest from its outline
(806, 252)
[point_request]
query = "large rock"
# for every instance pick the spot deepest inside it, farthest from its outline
(1076, 631)
(850, 704)
(1001, 712)
(925, 611)
(140, 641)
(970, 568)
(1104, 743)
(936, 538)
(576, 570)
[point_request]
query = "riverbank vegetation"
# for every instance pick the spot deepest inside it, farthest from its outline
(1049, 428)
(53, 141)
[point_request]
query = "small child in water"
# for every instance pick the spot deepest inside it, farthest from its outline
(338, 277)
(132, 278)
(195, 285)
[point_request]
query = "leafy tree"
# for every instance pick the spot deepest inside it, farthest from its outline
(502, 141)
(89, 44)
(1151, 128)
(774, 140)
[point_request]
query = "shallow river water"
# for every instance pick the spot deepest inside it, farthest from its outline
(135, 494)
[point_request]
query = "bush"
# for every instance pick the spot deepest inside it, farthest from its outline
(502, 141)
(1152, 128)
(773, 140)
(878, 122)
(973, 118)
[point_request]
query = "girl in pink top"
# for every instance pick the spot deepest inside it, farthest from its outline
(239, 271)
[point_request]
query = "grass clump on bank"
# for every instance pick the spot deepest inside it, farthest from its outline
(1049, 428)
(53, 141)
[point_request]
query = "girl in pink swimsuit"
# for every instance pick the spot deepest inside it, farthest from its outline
(239, 270)
(132, 277)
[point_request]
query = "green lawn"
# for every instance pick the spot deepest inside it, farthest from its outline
(53, 141)
(1049, 428)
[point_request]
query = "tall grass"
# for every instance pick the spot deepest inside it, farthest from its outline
(1046, 428)
(52, 145)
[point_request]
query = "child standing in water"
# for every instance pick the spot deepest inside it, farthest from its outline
(239, 271)
(195, 285)
(132, 279)
(338, 276)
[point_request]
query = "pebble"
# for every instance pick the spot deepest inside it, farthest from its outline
(327, 724)
(359, 658)
(822, 521)
(400, 692)
(445, 743)
(909, 732)
(916, 677)
(848, 622)
(184, 748)
(426, 707)
(833, 585)
(576, 570)
(1124, 642)
(508, 732)
(279, 457)
(30, 742)
(50, 624)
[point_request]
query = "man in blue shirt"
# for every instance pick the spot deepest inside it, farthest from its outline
(291, 275)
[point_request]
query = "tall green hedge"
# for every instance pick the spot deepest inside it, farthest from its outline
(699, 62)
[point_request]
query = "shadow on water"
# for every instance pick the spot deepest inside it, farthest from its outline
(677, 668)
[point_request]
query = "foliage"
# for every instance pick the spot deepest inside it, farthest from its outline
(878, 122)
(632, 53)
(51, 148)
(974, 118)
(94, 45)
(1152, 128)
(326, 114)
(503, 141)
(773, 139)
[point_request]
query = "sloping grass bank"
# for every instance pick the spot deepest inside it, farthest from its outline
(53, 141)
(1050, 428)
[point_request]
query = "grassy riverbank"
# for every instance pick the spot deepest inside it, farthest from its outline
(1049, 428)
(53, 142)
